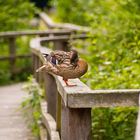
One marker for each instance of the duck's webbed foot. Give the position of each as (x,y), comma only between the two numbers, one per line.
(67,84)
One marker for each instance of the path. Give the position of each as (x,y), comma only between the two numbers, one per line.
(12,122)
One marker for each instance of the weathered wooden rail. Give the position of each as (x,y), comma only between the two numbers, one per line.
(13,35)
(72,106)
(52,25)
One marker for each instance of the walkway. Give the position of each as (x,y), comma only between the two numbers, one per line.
(12,122)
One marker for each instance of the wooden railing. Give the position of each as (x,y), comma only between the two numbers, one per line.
(72,106)
(67,113)
(11,37)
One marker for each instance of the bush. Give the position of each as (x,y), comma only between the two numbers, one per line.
(31,105)
(15,14)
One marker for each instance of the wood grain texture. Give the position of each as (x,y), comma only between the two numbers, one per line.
(58,113)
(82,96)
(49,122)
(75,123)
(33,32)
(12,54)
(50,94)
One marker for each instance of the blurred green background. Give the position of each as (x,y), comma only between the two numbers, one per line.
(113,52)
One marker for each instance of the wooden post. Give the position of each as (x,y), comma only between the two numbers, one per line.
(75,123)
(51,89)
(36,66)
(61,45)
(50,93)
(12,53)
(58,112)
(33,64)
(40,74)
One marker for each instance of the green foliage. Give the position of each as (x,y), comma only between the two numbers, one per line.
(15,14)
(4,76)
(114,123)
(32,104)
(23,66)
(71,10)
(113,55)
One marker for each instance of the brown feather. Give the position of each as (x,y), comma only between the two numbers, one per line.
(65,68)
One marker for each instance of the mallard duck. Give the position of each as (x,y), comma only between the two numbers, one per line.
(65,64)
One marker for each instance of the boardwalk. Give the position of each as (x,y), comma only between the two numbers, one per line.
(12,123)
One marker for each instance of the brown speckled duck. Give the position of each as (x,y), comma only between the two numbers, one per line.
(65,64)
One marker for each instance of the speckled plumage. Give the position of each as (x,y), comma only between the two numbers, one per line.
(65,64)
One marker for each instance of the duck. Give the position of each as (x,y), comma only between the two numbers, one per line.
(68,65)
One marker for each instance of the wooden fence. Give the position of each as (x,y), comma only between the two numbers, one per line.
(72,106)
(67,114)
(11,37)
(66,111)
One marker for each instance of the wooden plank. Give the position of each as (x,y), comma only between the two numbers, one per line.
(75,123)
(33,65)
(50,24)
(41,76)
(33,32)
(47,20)
(12,54)
(58,112)
(37,49)
(82,96)
(49,123)
(64,38)
(50,93)
(36,66)
(59,45)
(108,99)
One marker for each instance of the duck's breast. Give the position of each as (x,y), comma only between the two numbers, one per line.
(74,72)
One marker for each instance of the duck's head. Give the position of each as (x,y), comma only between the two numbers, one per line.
(74,57)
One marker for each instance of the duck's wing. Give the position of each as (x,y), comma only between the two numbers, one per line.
(65,65)
(57,61)
(51,68)
(60,56)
